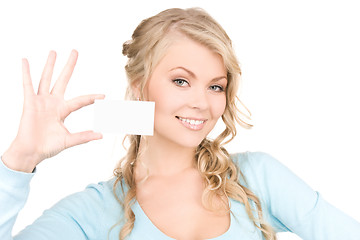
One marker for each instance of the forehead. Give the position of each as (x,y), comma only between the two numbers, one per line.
(187,53)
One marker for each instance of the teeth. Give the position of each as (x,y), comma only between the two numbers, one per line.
(190,121)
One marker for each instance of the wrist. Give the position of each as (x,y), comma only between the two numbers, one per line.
(17,161)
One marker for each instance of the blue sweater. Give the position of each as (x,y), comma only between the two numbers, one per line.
(288,205)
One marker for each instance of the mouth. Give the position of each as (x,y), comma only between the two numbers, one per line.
(192,123)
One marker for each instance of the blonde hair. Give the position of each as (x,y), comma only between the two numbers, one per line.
(146,48)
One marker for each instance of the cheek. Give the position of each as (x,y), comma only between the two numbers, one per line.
(217,106)
(166,101)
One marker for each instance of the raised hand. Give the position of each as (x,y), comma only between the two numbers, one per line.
(42,133)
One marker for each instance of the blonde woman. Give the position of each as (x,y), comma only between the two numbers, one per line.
(176,184)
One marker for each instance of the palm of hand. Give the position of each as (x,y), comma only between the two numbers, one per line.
(42,128)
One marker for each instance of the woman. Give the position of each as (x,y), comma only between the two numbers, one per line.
(176,184)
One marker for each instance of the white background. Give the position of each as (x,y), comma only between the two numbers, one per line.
(300,63)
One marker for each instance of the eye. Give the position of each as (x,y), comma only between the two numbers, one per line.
(180,82)
(217,88)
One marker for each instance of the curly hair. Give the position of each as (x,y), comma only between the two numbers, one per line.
(144,51)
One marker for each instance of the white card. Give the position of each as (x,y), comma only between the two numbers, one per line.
(124,117)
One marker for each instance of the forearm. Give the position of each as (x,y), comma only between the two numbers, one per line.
(14,190)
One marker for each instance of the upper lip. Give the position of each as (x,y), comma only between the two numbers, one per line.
(192,118)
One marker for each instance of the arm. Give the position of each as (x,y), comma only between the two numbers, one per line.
(14,191)
(78,216)
(293,204)
(41,135)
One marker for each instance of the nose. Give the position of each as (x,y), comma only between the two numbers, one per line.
(198,99)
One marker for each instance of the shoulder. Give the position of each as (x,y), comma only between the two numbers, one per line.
(253,169)
(245,158)
(260,159)
(285,196)
(265,174)
(88,214)
(92,195)
(257,166)
(96,207)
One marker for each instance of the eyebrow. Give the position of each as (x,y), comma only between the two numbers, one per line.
(194,76)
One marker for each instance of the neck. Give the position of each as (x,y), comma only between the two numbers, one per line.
(161,157)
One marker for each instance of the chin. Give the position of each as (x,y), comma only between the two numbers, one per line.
(189,140)
(191,144)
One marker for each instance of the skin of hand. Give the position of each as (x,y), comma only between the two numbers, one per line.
(42,133)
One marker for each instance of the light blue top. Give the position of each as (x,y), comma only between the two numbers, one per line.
(288,204)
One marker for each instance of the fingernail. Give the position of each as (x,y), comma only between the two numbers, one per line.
(100,96)
(99,135)
(23,61)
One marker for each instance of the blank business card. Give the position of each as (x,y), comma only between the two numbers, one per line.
(124,117)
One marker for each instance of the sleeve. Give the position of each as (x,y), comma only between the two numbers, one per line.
(293,206)
(78,216)
(14,190)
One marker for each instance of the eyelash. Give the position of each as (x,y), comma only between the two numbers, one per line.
(176,82)
(221,89)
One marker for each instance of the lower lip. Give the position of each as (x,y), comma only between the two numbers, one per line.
(193,126)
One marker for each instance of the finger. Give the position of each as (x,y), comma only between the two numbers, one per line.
(27,83)
(82,101)
(45,80)
(82,137)
(62,81)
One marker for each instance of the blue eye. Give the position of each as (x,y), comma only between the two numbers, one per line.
(216,88)
(180,82)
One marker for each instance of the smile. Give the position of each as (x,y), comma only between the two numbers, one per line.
(193,124)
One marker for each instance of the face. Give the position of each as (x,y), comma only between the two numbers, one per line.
(188,88)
